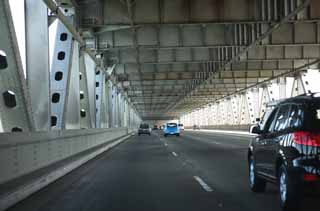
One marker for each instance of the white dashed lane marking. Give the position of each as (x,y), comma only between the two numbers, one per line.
(174,154)
(203,184)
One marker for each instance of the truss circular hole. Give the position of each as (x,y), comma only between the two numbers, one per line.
(98,72)
(58,76)
(97,97)
(9,98)
(61,55)
(16,129)
(55,97)
(3,60)
(81,95)
(54,121)
(80,76)
(63,36)
(97,84)
(83,113)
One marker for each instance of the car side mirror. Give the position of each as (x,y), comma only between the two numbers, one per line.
(255,130)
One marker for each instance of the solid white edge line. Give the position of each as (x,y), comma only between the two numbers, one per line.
(174,154)
(203,184)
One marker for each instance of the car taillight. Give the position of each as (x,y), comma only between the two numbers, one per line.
(310,177)
(306,138)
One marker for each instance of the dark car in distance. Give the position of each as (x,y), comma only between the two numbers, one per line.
(144,129)
(286,151)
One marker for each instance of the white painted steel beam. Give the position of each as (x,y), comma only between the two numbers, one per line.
(37,62)
(15,104)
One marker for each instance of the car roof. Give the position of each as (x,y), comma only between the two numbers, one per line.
(305,98)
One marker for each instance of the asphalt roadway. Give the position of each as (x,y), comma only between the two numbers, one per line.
(197,171)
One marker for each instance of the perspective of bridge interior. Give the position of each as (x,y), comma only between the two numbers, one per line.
(159,105)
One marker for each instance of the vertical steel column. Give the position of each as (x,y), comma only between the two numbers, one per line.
(90,68)
(15,107)
(210,115)
(215,113)
(104,102)
(98,97)
(37,62)
(273,89)
(223,112)
(125,114)
(110,104)
(265,98)
(121,114)
(229,113)
(85,113)
(310,80)
(59,75)
(72,109)
(282,88)
(289,86)
(256,103)
(236,109)
(253,104)
(114,106)
(298,87)
(244,110)
(218,113)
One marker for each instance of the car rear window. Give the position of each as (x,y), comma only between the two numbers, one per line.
(313,117)
(144,126)
(172,125)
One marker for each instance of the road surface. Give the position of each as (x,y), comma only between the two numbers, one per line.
(196,171)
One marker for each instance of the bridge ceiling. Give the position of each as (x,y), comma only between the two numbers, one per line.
(172,56)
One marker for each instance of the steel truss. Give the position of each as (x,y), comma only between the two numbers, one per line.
(244,108)
(72,94)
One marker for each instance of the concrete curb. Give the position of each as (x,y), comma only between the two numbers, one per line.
(27,189)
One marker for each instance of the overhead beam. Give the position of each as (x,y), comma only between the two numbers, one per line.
(60,15)
(259,39)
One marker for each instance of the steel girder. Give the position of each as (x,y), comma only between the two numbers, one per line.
(77,87)
(15,103)
(192,51)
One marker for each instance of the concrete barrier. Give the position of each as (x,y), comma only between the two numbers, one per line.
(244,128)
(30,161)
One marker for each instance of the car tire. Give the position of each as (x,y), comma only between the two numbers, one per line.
(178,135)
(256,184)
(165,135)
(290,190)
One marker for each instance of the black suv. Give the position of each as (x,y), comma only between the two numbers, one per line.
(286,150)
